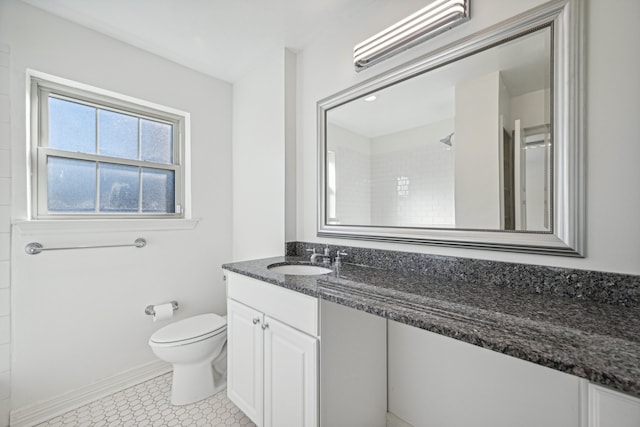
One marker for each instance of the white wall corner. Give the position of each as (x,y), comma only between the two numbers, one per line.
(5,229)
(290,152)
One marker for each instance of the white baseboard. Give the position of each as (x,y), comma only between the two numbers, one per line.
(58,405)
(395,421)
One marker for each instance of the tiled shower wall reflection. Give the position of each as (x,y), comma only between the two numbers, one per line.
(401,179)
(5,237)
(413,177)
(353,175)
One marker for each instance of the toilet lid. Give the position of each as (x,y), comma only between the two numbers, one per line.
(190,328)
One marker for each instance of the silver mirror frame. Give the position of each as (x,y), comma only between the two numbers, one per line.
(565,17)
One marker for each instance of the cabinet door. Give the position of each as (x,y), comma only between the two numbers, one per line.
(608,408)
(291,376)
(244,360)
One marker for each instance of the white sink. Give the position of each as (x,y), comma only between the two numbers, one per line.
(299,269)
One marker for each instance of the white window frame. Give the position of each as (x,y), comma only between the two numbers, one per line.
(40,85)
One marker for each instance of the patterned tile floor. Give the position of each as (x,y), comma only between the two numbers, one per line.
(148,404)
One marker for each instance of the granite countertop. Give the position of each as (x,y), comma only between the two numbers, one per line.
(592,340)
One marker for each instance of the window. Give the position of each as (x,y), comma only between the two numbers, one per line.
(100,155)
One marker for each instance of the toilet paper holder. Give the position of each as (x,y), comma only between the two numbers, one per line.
(150,310)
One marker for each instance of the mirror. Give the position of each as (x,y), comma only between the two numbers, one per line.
(471,145)
(401,156)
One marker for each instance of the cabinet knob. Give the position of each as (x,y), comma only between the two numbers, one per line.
(265,326)
(256,320)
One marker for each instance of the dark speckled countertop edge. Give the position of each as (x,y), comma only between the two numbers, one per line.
(608,361)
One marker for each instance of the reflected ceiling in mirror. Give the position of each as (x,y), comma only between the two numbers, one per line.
(476,144)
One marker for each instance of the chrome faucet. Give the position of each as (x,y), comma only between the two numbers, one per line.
(326,256)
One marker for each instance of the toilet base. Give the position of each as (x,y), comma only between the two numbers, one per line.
(193,382)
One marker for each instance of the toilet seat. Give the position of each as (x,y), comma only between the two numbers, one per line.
(190,330)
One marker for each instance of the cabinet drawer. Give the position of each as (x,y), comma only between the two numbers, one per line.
(293,308)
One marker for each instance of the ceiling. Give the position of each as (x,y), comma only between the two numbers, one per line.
(221,38)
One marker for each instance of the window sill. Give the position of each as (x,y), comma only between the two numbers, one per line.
(102,225)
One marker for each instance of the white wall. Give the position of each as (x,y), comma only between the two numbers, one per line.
(530,108)
(5,235)
(477,159)
(78,316)
(261,126)
(613,99)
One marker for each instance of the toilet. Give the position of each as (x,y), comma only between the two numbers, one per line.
(196,346)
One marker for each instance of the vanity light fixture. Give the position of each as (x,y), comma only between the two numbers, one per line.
(370,98)
(428,22)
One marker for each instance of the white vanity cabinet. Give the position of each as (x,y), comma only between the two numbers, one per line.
(272,352)
(295,360)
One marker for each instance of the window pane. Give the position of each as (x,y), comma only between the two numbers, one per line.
(158,191)
(71,185)
(72,126)
(157,141)
(119,188)
(117,135)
